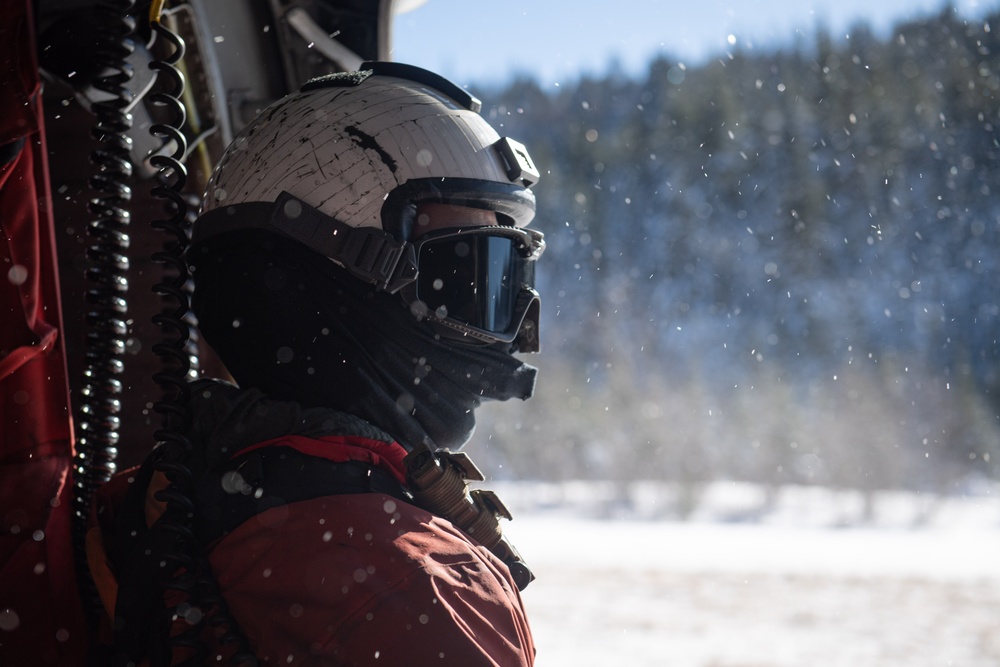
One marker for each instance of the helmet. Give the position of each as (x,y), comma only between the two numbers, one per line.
(342,165)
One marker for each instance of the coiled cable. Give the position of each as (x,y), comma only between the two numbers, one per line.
(190,579)
(98,421)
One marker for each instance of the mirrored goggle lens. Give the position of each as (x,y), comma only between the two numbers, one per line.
(475,279)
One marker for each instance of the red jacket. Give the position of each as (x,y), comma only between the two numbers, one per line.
(354,579)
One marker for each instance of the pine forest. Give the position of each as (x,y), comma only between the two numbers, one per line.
(777,267)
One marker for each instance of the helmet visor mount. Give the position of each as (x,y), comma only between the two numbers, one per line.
(479,282)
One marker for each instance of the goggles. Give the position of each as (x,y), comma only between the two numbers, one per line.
(480,283)
(477,282)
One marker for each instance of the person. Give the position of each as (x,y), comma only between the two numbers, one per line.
(363,268)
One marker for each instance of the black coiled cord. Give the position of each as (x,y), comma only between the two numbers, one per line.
(190,571)
(98,421)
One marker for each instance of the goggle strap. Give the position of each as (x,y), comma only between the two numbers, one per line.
(378,258)
(368,253)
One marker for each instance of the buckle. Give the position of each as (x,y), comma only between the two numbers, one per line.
(378,258)
(368,253)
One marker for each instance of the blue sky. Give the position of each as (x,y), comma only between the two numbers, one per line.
(486,42)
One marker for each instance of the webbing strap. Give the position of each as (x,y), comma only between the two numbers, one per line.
(369,253)
(265,478)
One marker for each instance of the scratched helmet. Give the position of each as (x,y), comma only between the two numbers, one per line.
(341,167)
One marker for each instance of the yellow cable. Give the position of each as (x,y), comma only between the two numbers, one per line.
(156,11)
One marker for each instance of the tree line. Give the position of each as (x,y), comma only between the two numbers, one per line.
(775,266)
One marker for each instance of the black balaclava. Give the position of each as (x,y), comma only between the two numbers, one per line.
(295,325)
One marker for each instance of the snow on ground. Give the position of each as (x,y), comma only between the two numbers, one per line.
(807,581)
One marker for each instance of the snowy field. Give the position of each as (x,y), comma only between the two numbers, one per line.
(808,581)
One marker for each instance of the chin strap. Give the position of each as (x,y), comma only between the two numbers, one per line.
(439,482)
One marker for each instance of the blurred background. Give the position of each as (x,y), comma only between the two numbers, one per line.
(777,263)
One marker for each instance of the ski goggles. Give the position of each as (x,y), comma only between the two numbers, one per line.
(480,283)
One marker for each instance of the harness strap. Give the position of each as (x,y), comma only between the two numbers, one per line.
(262,479)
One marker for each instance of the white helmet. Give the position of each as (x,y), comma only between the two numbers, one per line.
(345,142)
(341,166)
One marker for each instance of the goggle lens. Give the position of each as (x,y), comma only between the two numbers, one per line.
(475,278)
